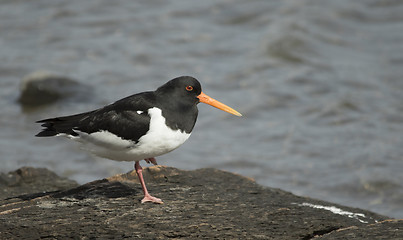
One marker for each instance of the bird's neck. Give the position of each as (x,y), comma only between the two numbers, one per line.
(180,117)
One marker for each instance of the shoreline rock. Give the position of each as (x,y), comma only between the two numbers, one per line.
(42,87)
(205,203)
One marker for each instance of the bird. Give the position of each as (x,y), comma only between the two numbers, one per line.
(138,127)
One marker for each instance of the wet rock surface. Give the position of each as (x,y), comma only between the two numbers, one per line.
(205,203)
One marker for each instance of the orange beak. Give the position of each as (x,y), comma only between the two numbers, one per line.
(212,102)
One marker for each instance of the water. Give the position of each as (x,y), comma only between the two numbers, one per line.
(319,83)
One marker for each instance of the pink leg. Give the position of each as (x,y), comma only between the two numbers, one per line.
(147,196)
(151,160)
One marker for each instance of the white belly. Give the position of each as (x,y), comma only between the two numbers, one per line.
(159,140)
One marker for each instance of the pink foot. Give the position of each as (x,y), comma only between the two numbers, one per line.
(151,160)
(149,198)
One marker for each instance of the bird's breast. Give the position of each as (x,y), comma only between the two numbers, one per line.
(161,138)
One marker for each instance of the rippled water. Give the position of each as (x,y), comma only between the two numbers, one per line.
(319,83)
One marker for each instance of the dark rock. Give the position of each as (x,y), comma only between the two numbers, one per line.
(28,180)
(42,87)
(387,229)
(205,203)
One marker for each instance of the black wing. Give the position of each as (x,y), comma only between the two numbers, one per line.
(127,118)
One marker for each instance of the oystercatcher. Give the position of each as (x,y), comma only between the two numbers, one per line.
(141,126)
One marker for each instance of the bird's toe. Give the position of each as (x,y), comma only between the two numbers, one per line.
(149,198)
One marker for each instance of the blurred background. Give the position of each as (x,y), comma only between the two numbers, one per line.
(319,82)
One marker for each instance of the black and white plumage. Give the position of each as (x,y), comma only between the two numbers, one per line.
(141,126)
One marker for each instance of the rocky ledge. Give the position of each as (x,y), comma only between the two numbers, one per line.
(206,203)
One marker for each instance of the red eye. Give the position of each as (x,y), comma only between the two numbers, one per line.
(189,88)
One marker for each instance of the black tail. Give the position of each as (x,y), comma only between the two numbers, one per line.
(60,125)
(49,129)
